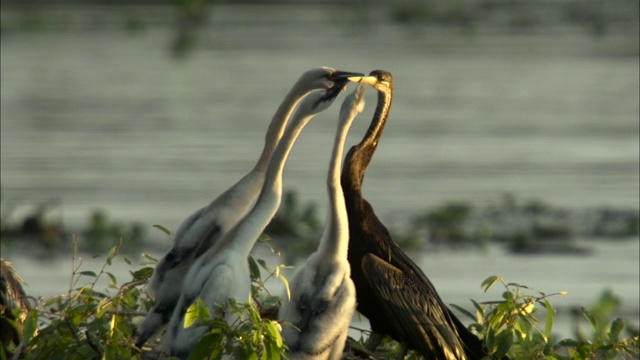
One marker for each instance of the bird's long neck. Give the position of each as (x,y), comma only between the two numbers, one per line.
(242,194)
(250,228)
(335,238)
(278,124)
(359,156)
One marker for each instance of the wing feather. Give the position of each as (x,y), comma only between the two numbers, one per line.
(413,307)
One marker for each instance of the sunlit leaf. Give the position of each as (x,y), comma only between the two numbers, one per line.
(286,285)
(273,332)
(30,324)
(528,307)
(149,257)
(102,307)
(112,324)
(197,311)
(479,310)
(548,324)
(489,282)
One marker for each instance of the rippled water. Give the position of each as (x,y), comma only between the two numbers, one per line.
(103,118)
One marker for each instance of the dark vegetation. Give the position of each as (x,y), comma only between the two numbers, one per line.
(529,227)
(189,18)
(90,323)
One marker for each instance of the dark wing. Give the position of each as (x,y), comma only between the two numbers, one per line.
(418,315)
(473,345)
(391,254)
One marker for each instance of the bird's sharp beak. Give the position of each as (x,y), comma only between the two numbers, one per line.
(369,80)
(344,75)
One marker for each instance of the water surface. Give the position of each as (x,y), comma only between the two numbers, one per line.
(98,117)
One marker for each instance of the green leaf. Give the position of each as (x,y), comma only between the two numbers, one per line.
(203,311)
(112,253)
(548,324)
(489,340)
(254,269)
(263,264)
(616,328)
(162,228)
(489,282)
(517,285)
(113,282)
(149,257)
(273,332)
(264,237)
(112,325)
(503,342)
(496,319)
(480,312)
(463,311)
(102,307)
(210,345)
(197,311)
(144,273)
(590,317)
(88,273)
(30,325)
(286,285)
(52,300)
(524,325)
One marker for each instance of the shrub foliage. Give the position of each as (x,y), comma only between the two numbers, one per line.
(91,323)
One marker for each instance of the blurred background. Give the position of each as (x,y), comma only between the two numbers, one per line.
(511,148)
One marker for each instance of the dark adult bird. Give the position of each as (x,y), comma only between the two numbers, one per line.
(392,291)
(205,227)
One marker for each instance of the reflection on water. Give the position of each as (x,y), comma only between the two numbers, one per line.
(106,119)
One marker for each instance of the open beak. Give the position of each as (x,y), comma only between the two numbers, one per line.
(344,76)
(340,80)
(369,80)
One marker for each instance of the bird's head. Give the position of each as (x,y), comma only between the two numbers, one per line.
(379,79)
(336,82)
(322,78)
